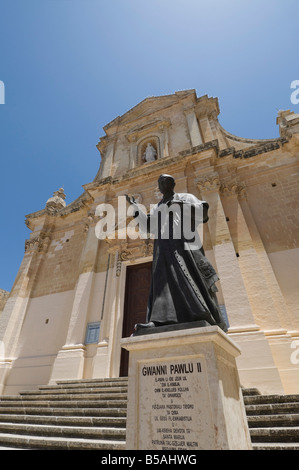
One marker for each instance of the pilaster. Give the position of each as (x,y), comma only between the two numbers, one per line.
(260,299)
(236,299)
(269,304)
(193,127)
(69,363)
(206,129)
(243,327)
(14,313)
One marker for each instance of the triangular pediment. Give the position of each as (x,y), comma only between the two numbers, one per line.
(149,106)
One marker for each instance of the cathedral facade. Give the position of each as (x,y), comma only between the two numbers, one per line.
(77,294)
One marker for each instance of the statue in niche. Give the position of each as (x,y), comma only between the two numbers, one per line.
(183,286)
(150,153)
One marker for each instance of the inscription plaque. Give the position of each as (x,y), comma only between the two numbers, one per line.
(175,413)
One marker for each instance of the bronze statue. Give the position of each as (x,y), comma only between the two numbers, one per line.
(183,281)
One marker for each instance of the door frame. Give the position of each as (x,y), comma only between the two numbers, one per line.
(127,315)
(118,318)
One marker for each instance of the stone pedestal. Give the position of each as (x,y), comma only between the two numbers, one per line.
(184,392)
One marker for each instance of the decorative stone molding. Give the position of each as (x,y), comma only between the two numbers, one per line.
(209,183)
(147,129)
(123,252)
(212,144)
(256,149)
(142,250)
(138,198)
(118,265)
(52,211)
(212,115)
(38,244)
(90,220)
(227,151)
(206,105)
(232,189)
(288,122)
(154,133)
(56,202)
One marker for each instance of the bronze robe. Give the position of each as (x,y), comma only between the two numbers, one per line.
(183,280)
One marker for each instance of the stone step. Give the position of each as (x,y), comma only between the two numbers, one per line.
(90,432)
(99,379)
(89,383)
(268,399)
(273,420)
(282,434)
(272,409)
(275,446)
(109,421)
(121,403)
(69,397)
(71,411)
(250,391)
(73,391)
(73,414)
(59,443)
(91,414)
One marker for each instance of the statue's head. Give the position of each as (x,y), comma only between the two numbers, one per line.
(166,183)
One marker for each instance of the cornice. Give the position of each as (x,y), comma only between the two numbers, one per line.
(213,144)
(81,202)
(38,244)
(257,149)
(139,131)
(144,107)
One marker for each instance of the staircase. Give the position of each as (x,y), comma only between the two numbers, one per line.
(72,415)
(273,420)
(91,414)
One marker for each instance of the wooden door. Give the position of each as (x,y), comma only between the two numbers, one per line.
(138,279)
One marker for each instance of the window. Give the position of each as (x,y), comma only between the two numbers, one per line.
(92,333)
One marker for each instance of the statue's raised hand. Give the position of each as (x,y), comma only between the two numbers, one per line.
(130,200)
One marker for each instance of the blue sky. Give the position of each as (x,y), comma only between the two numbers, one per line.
(71,66)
